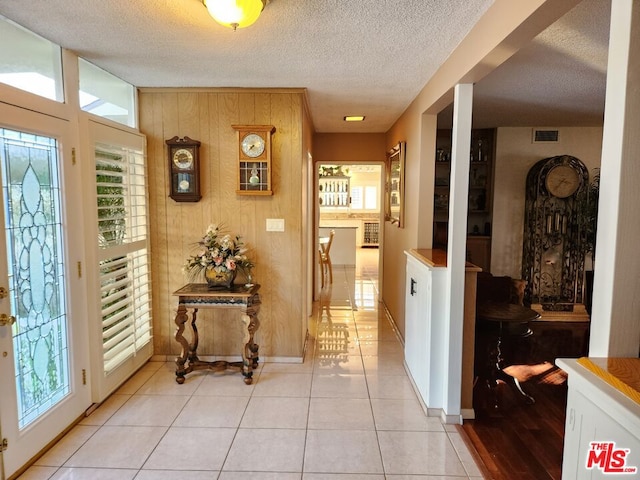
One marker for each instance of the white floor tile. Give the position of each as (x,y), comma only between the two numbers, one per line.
(419,453)
(266,450)
(342,451)
(176,475)
(390,386)
(66,447)
(338,364)
(117,447)
(341,476)
(374,347)
(340,414)
(226,384)
(277,384)
(339,386)
(403,415)
(282,367)
(465,456)
(191,449)
(94,474)
(106,410)
(210,411)
(392,364)
(423,477)
(38,473)
(149,410)
(258,476)
(163,382)
(276,412)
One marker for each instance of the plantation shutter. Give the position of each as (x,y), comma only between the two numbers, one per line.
(125,283)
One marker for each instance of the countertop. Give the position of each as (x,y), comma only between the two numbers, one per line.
(621,373)
(436,258)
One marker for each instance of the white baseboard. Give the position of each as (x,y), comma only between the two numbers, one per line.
(468,413)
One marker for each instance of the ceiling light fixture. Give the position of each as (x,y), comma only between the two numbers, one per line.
(235,13)
(354,118)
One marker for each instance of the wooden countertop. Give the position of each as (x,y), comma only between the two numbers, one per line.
(621,373)
(338,227)
(433,257)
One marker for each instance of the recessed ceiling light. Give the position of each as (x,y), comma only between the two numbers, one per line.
(354,118)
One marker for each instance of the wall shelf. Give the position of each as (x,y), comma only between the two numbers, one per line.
(334,191)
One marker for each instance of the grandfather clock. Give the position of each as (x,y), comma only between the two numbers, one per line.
(554,236)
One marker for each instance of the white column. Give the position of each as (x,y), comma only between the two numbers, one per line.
(615,320)
(457,249)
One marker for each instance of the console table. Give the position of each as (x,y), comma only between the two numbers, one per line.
(198,295)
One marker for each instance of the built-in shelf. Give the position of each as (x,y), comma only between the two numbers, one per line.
(334,191)
(370,234)
(480,191)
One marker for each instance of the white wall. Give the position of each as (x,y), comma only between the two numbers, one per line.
(515,155)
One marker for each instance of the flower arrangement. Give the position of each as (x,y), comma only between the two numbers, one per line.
(218,251)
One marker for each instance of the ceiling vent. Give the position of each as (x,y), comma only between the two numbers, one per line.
(545,136)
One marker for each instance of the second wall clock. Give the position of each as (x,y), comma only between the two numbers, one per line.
(254,159)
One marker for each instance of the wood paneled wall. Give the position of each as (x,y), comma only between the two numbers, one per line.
(207,115)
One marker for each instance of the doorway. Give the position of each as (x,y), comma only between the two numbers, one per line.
(43,341)
(351,203)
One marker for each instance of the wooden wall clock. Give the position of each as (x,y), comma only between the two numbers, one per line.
(254,159)
(184,169)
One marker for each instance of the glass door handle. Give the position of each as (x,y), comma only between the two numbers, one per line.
(6,319)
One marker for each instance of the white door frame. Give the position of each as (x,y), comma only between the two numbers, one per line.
(25,444)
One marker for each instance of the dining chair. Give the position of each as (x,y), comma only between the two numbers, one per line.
(325,259)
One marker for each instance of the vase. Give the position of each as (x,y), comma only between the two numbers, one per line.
(219,279)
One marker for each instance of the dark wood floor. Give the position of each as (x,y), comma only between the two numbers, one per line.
(518,439)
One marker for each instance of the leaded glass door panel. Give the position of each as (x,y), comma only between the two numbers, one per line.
(41,352)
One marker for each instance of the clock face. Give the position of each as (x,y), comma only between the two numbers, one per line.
(562,181)
(183,158)
(253,145)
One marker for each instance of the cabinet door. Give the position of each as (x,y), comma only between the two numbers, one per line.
(587,423)
(417,331)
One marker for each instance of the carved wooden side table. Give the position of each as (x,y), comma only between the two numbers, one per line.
(510,314)
(199,295)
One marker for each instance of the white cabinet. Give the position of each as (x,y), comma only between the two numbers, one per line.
(424,331)
(598,412)
(430,351)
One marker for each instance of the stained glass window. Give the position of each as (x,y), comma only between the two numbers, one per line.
(31,195)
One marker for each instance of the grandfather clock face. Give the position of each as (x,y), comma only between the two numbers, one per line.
(562,181)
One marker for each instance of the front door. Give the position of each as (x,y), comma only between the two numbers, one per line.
(42,336)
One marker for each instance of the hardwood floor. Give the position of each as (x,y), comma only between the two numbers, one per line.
(517,439)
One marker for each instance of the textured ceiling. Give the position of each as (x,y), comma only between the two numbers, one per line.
(557,80)
(353,57)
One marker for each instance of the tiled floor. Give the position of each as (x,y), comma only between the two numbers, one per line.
(348,412)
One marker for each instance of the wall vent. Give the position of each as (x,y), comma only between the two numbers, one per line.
(545,136)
